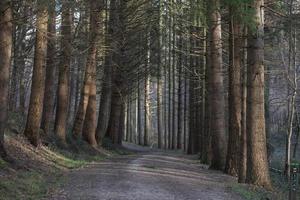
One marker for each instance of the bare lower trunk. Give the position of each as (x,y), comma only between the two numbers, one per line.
(243,138)
(5,63)
(88,92)
(121,125)
(290,128)
(147,123)
(180,114)
(216,89)
(128,119)
(64,73)
(50,72)
(139,114)
(106,92)
(32,130)
(257,162)
(159,122)
(115,117)
(234,100)
(90,122)
(105,102)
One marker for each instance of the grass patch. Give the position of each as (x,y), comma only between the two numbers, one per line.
(245,192)
(64,159)
(253,193)
(115,149)
(70,159)
(39,183)
(25,185)
(3,164)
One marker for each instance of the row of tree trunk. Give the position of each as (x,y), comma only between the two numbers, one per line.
(173,48)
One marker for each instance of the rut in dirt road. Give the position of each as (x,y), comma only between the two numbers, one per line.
(148,176)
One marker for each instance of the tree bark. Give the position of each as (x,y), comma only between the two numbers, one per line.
(5,63)
(139,113)
(147,123)
(234,96)
(90,122)
(257,162)
(128,119)
(88,88)
(64,73)
(106,92)
(159,122)
(243,138)
(105,102)
(38,78)
(216,92)
(49,94)
(116,116)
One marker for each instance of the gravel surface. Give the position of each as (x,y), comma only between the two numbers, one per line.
(148,175)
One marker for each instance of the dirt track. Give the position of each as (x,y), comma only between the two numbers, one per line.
(148,175)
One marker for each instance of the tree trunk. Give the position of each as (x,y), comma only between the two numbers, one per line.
(5,63)
(88,88)
(147,123)
(192,85)
(90,122)
(174,111)
(122,125)
(216,92)
(243,138)
(257,162)
(50,72)
(106,92)
(234,97)
(64,73)
(16,91)
(159,122)
(170,126)
(180,114)
(128,119)
(292,100)
(38,78)
(203,139)
(105,102)
(116,116)
(139,113)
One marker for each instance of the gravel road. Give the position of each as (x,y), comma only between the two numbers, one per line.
(148,175)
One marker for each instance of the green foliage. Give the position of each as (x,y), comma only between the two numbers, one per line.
(242,11)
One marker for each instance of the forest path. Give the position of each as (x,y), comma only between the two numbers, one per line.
(148,175)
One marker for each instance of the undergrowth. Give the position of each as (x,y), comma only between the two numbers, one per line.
(37,183)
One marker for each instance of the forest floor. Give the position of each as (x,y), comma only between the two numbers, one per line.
(131,172)
(148,175)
